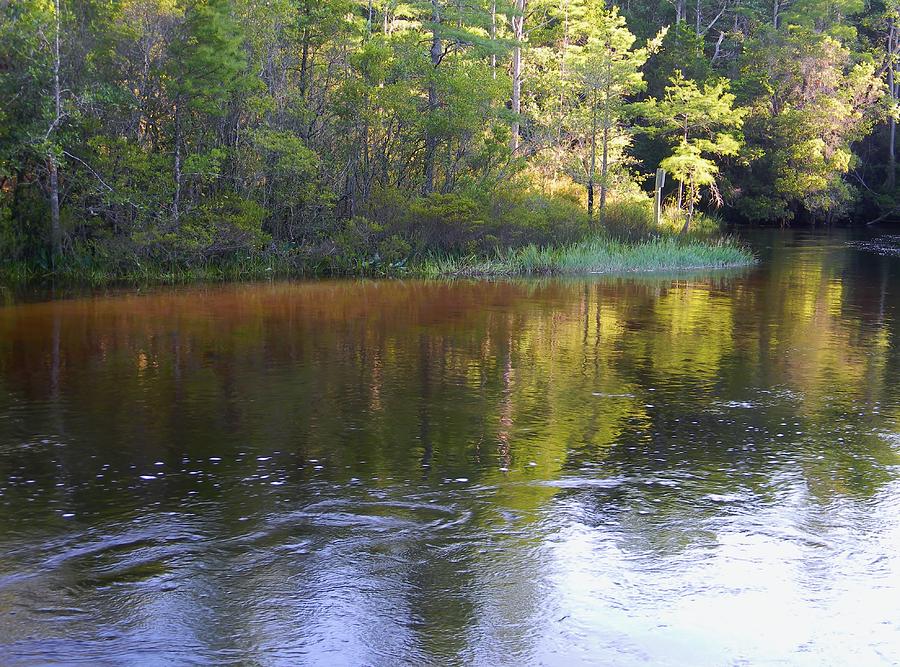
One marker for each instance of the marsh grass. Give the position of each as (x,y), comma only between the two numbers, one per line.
(599,255)
(98,274)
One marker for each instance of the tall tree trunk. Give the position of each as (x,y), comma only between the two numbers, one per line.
(176,199)
(604,171)
(431,140)
(680,183)
(590,187)
(55,227)
(304,64)
(891,180)
(52,167)
(494,37)
(692,195)
(518,28)
(562,68)
(607,121)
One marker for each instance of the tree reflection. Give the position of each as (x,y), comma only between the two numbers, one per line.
(453,426)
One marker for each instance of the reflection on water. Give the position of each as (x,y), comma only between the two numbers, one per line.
(699,470)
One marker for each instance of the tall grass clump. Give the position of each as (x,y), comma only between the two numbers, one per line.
(595,255)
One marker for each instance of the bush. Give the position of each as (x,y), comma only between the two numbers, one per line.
(394,250)
(220,228)
(352,246)
(630,220)
(520,217)
(444,222)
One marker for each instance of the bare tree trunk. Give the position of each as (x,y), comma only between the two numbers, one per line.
(304,64)
(590,186)
(52,167)
(562,66)
(176,199)
(699,15)
(692,194)
(776,9)
(718,50)
(430,138)
(607,121)
(518,28)
(494,37)
(891,180)
(892,155)
(55,227)
(681,184)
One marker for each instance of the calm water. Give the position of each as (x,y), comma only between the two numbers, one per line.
(693,471)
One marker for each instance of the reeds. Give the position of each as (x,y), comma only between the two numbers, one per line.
(598,255)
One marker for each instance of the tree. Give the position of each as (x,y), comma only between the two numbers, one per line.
(34,113)
(890,26)
(700,121)
(456,30)
(205,66)
(517,21)
(608,70)
(810,99)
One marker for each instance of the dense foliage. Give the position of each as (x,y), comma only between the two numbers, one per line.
(179,131)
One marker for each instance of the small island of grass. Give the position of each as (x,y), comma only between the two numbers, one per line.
(597,255)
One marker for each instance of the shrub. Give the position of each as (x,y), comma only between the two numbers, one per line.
(630,219)
(444,222)
(394,250)
(222,227)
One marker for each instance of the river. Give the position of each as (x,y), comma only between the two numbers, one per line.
(673,470)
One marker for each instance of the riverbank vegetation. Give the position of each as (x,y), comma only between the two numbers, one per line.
(592,256)
(181,137)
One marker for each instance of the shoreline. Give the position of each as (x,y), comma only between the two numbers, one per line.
(597,256)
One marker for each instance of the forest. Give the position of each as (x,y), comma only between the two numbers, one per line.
(350,134)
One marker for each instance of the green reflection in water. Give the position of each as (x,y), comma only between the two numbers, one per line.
(329,444)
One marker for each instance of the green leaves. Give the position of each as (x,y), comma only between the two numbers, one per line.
(703,123)
(291,155)
(207,57)
(688,110)
(818,100)
(687,164)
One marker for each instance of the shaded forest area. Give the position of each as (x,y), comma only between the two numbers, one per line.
(352,133)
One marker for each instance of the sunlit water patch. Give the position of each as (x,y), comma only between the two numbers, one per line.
(886,245)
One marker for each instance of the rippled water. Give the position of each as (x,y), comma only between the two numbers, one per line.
(688,471)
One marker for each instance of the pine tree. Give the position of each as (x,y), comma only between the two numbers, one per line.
(207,60)
(608,70)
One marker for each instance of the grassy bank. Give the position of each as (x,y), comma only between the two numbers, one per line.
(600,255)
(83,271)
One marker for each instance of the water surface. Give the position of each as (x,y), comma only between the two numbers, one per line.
(691,470)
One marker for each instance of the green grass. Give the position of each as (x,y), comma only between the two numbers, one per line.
(74,271)
(598,255)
